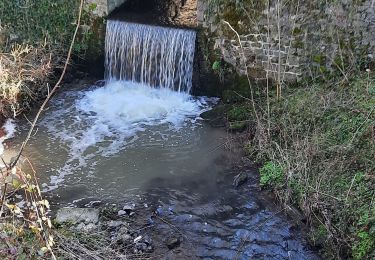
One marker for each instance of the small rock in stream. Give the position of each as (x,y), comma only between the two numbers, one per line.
(141,247)
(121,213)
(240,179)
(129,207)
(77,215)
(114,224)
(147,240)
(85,228)
(137,239)
(173,242)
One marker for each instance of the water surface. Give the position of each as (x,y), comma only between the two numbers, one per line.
(127,143)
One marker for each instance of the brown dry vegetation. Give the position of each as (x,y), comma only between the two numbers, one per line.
(26,74)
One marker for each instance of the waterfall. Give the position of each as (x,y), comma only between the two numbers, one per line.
(156,56)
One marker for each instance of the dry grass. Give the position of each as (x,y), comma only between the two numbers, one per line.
(321,150)
(25,74)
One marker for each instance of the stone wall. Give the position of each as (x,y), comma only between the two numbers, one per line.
(105,7)
(302,38)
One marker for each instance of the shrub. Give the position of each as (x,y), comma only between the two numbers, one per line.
(271,174)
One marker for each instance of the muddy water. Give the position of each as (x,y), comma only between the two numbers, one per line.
(164,159)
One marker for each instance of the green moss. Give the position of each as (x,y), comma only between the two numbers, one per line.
(216,65)
(298,44)
(320,59)
(297,31)
(237,126)
(236,13)
(239,113)
(318,235)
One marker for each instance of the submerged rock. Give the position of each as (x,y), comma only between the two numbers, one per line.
(173,242)
(86,228)
(114,224)
(216,116)
(129,207)
(240,179)
(77,215)
(121,213)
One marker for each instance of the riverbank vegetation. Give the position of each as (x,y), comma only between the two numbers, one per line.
(316,147)
(32,50)
(314,137)
(33,39)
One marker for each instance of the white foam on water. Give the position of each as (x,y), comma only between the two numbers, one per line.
(9,129)
(123,105)
(105,120)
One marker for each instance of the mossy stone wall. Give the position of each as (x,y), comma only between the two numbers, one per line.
(296,38)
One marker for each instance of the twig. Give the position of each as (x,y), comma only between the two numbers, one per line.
(55,88)
(350,188)
(13,164)
(173,226)
(247,73)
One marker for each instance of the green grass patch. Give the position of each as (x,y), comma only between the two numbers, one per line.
(271,174)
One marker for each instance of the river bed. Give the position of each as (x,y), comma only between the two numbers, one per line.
(124,144)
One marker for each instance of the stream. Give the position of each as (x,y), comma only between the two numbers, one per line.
(123,143)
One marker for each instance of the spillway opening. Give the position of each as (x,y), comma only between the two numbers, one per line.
(171,13)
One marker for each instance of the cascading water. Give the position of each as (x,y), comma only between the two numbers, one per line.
(155,56)
(145,99)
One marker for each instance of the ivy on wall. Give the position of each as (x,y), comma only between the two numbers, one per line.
(35,21)
(51,24)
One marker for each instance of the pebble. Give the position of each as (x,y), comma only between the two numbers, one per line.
(121,213)
(129,207)
(137,239)
(85,228)
(114,223)
(173,242)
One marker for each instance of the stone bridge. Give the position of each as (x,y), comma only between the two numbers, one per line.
(105,7)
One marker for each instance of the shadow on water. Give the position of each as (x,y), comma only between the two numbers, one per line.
(216,220)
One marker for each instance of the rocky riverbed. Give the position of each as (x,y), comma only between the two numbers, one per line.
(195,219)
